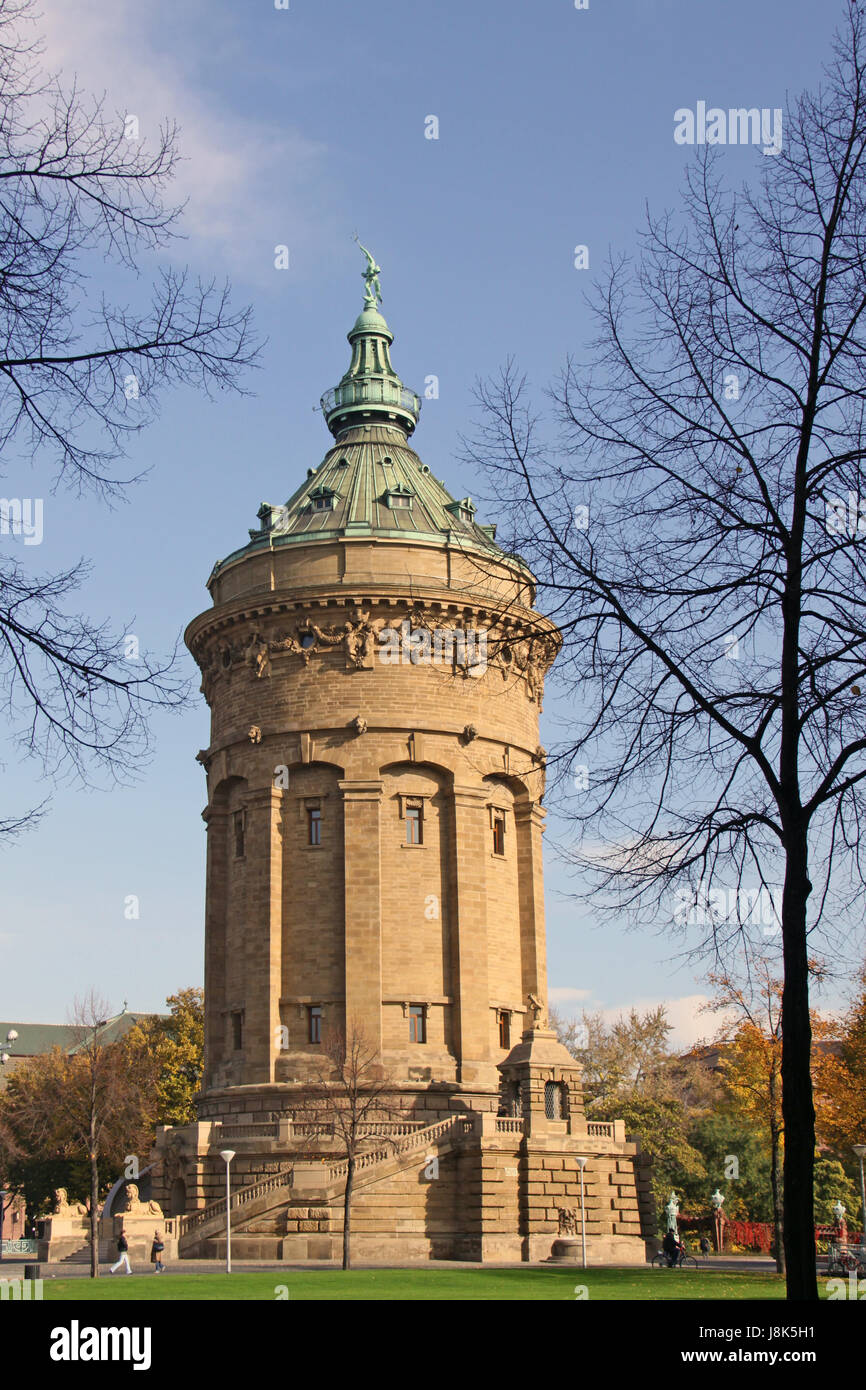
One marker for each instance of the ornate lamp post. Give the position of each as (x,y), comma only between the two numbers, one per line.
(673,1211)
(718,1220)
(860,1151)
(227,1155)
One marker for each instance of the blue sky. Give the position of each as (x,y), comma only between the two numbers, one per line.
(299,127)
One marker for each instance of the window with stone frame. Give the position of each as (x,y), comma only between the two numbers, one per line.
(417,1023)
(498,819)
(504,1028)
(413,814)
(237,1030)
(314,825)
(314,1023)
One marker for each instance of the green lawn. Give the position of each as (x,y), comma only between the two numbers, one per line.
(425,1284)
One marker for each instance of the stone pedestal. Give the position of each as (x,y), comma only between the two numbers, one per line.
(63,1235)
(566,1251)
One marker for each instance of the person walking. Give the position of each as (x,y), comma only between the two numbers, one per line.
(123,1252)
(156,1253)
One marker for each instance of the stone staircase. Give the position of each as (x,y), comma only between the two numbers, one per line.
(257,1200)
(81,1256)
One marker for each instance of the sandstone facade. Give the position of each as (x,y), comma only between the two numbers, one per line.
(374,665)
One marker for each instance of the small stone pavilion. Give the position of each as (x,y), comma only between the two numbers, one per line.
(374,665)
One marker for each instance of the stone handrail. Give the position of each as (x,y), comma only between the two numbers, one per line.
(239,1199)
(268,1130)
(385,1127)
(420,1138)
(509,1126)
(600,1129)
(309,1129)
(409,1136)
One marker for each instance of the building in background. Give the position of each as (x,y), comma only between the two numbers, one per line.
(34,1039)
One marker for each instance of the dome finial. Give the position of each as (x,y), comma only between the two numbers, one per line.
(373,292)
(370,392)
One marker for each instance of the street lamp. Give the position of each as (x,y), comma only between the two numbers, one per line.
(227,1155)
(718,1202)
(581,1163)
(11,1039)
(860,1151)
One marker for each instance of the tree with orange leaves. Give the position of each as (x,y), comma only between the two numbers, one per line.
(840,1082)
(751,1064)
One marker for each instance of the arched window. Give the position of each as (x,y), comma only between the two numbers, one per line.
(554,1100)
(510,1104)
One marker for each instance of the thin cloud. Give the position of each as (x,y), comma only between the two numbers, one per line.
(565,994)
(249,184)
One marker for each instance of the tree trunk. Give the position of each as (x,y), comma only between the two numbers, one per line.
(798,1113)
(94,1215)
(778,1224)
(347,1214)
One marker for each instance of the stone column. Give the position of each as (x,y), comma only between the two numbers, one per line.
(362,802)
(263,934)
(529,823)
(468,895)
(216,820)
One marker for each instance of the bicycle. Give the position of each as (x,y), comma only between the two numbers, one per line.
(842,1259)
(683,1261)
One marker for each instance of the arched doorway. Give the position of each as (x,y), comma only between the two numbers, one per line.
(178,1197)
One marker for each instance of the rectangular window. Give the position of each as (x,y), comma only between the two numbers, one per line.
(498,832)
(314,1023)
(238,826)
(414,822)
(314,826)
(417,1023)
(237,1031)
(504,1029)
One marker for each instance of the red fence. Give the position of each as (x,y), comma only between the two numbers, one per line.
(758,1235)
(749,1235)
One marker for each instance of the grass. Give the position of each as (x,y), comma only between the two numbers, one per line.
(409,1285)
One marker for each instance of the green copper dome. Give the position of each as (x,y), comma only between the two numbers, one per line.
(371,483)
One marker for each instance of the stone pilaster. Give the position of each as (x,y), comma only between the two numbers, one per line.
(468,893)
(216,819)
(263,935)
(529,824)
(362,801)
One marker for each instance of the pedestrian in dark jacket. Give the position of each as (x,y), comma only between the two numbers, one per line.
(670,1245)
(123,1252)
(156,1253)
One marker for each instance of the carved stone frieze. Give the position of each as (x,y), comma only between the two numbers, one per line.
(516,652)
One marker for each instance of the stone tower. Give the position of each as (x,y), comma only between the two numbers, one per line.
(374,666)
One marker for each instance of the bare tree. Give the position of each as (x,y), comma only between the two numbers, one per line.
(78,376)
(351,1092)
(698,530)
(94,1101)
